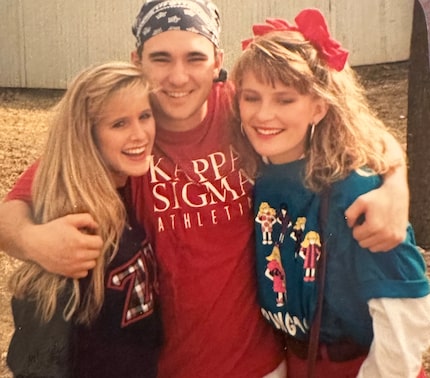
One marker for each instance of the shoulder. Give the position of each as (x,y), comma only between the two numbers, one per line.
(220,102)
(223,91)
(354,185)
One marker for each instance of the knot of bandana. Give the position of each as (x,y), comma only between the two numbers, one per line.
(311,23)
(157,16)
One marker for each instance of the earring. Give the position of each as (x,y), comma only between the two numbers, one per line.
(241,129)
(265,160)
(311,132)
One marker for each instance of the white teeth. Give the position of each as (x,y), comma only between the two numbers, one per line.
(177,94)
(268,131)
(135,151)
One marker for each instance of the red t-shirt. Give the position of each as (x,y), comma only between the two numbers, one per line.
(22,188)
(197,210)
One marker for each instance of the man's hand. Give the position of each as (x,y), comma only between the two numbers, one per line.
(378,219)
(67,246)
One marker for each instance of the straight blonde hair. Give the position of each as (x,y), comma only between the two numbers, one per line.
(73,178)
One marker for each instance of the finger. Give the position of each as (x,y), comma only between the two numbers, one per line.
(366,238)
(353,212)
(91,243)
(88,264)
(378,242)
(82,221)
(77,270)
(379,246)
(361,232)
(80,270)
(368,242)
(385,245)
(79,274)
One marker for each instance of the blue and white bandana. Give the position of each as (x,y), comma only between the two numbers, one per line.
(197,16)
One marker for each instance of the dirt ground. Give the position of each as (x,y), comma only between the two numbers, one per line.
(23,118)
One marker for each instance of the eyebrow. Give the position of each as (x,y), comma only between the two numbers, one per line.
(197,54)
(165,54)
(286,92)
(158,54)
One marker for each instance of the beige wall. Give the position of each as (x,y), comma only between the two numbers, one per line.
(43,43)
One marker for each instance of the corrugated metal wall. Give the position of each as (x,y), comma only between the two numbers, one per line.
(44,43)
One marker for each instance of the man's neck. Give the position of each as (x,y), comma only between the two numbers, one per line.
(180,125)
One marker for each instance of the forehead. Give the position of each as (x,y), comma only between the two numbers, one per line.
(266,80)
(258,80)
(121,97)
(178,42)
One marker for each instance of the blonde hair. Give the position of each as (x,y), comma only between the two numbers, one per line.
(309,236)
(275,254)
(265,208)
(73,178)
(349,137)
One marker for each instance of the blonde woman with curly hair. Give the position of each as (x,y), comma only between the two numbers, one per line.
(107,324)
(303,110)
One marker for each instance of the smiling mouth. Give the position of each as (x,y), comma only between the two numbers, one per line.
(135,151)
(177,94)
(264,131)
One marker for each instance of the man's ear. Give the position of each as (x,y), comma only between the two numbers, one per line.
(135,59)
(219,60)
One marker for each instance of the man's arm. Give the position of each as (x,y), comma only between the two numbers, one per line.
(58,246)
(386,209)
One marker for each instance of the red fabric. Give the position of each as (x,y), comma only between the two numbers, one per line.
(22,188)
(212,322)
(297,368)
(199,216)
(311,23)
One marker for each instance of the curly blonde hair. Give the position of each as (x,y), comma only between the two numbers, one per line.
(349,137)
(72,178)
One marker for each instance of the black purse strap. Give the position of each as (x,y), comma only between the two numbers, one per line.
(321,272)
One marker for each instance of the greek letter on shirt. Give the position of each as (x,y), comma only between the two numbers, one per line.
(138,277)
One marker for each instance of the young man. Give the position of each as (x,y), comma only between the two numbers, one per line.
(196,205)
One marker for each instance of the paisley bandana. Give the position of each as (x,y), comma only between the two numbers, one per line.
(157,16)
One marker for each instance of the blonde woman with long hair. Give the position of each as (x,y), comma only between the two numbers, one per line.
(303,110)
(102,132)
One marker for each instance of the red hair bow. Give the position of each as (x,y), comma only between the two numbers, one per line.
(311,23)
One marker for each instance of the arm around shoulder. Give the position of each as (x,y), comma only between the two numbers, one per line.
(59,246)
(15,216)
(386,209)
